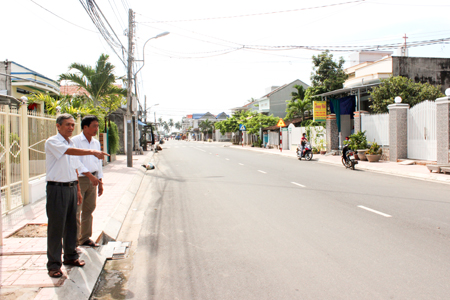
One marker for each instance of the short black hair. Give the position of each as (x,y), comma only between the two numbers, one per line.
(86,121)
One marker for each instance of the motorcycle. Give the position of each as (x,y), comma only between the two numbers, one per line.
(307,152)
(348,158)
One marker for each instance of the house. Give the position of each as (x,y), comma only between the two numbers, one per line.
(365,75)
(190,123)
(274,101)
(18,81)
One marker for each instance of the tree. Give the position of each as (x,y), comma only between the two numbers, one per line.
(170,123)
(98,81)
(327,75)
(297,106)
(178,125)
(410,92)
(206,127)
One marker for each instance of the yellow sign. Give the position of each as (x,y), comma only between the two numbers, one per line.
(281,123)
(320,111)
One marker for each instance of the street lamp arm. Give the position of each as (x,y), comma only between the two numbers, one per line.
(143,50)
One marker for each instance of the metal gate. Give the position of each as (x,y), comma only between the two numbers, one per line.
(422,131)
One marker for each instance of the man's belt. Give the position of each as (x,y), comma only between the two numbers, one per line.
(71,183)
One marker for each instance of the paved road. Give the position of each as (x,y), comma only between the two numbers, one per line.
(215,222)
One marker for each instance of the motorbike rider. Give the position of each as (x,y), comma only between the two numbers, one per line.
(303,142)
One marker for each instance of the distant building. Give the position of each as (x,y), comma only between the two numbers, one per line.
(274,101)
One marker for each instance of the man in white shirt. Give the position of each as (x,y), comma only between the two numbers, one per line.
(63,195)
(90,177)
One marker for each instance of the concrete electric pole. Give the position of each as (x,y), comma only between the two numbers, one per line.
(129,89)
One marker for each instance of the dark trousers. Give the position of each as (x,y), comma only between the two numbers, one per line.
(62,224)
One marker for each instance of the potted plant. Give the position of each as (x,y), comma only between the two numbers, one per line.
(358,143)
(374,153)
(322,146)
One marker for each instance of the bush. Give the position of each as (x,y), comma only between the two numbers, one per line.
(374,149)
(113,138)
(357,141)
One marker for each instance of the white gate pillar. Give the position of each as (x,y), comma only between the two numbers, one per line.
(443,129)
(398,131)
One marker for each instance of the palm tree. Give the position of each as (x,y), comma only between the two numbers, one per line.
(206,126)
(178,125)
(98,81)
(170,123)
(297,106)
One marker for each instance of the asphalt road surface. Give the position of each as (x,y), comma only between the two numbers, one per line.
(214,222)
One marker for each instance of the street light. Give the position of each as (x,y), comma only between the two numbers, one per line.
(143,49)
(130,77)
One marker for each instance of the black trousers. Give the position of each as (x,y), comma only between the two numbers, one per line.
(62,224)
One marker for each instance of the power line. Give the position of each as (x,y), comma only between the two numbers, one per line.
(62,17)
(259,14)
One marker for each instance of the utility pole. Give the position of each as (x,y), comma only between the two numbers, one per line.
(129,89)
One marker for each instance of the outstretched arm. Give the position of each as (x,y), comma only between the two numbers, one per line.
(81,152)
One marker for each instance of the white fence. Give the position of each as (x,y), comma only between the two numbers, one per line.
(422,142)
(22,153)
(376,127)
(317,136)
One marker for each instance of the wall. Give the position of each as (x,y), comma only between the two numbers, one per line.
(435,71)
(278,99)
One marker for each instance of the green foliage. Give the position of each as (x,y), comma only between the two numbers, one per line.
(410,92)
(327,75)
(253,121)
(297,106)
(98,81)
(258,143)
(374,149)
(357,141)
(113,138)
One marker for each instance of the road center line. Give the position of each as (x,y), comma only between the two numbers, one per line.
(262,172)
(298,184)
(375,211)
(227,159)
(241,164)
(199,149)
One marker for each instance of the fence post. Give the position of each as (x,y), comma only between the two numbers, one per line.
(24,155)
(358,120)
(7,157)
(443,129)
(332,133)
(398,131)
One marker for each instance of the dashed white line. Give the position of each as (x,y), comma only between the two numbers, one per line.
(262,172)
(298,184)
(199,149)
(241,164)
(375,211)
(227,159)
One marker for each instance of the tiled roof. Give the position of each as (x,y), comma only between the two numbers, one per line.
(72,90)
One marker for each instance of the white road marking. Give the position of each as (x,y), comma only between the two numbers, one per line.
(262,172)
(298,184)
(241,164)
(210,153)
(375,211)
(227,159)
(199,149)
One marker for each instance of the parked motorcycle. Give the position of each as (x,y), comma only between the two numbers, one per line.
(307,152)
(348,158)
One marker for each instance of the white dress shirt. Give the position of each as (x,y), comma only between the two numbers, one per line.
(89,163)
(60,167)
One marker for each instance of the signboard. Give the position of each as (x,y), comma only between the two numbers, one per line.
(281,123)
(320,111)
(242,127)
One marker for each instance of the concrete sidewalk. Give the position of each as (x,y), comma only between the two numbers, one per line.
(23,273)
(393,168)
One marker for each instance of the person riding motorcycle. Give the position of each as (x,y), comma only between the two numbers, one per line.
(303,142)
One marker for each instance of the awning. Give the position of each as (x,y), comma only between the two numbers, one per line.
(350,89)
